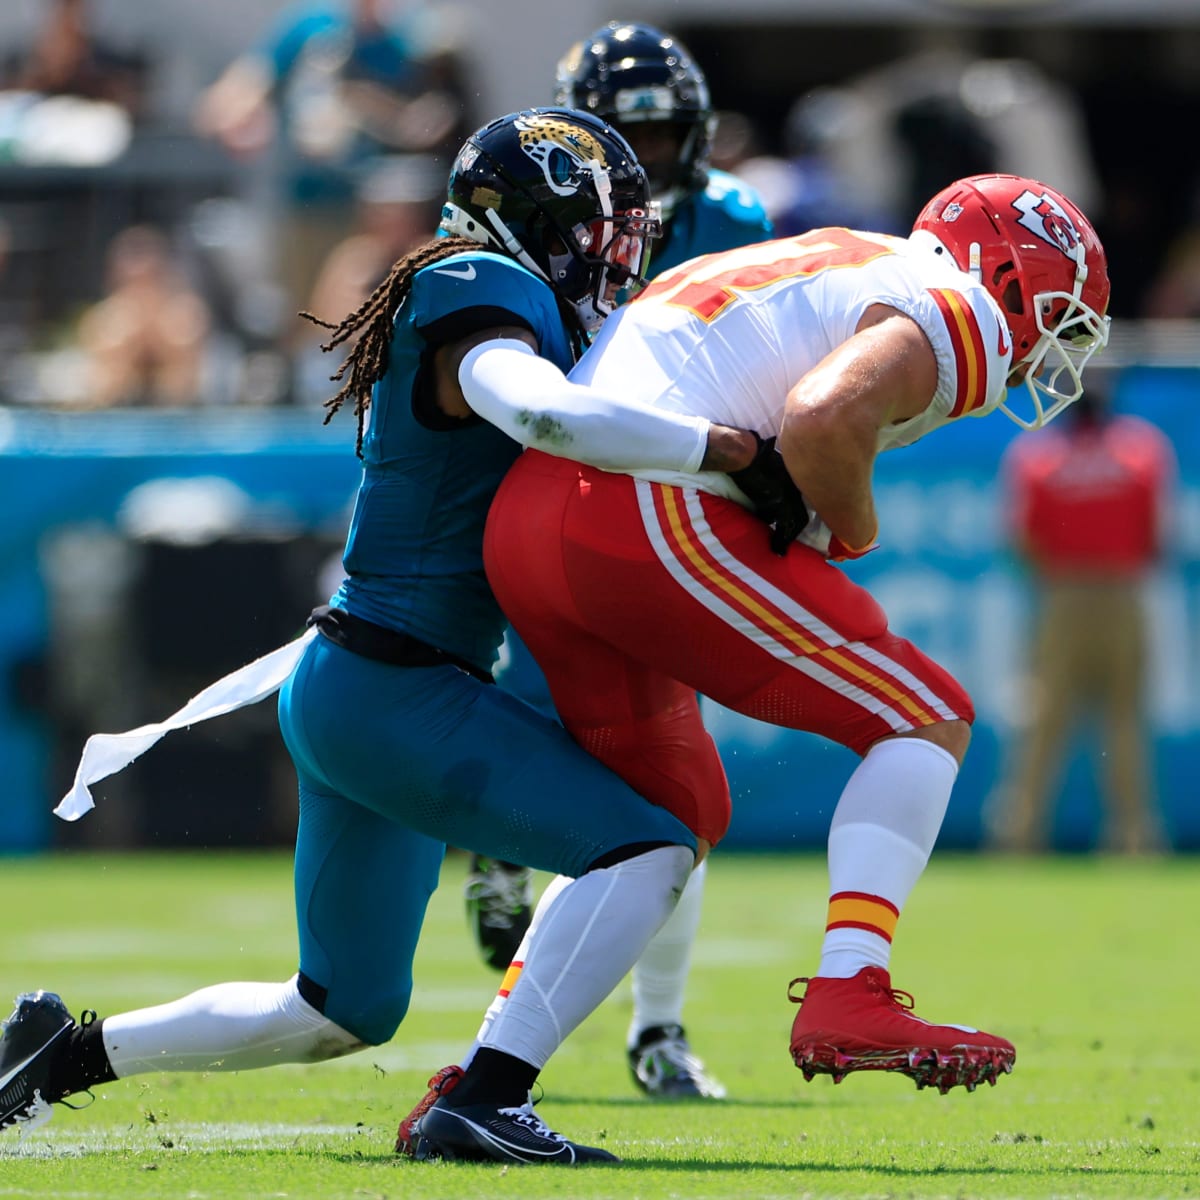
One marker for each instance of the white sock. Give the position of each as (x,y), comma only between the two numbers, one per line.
(228,1027)
(882,833)
(660,975)
(587,941)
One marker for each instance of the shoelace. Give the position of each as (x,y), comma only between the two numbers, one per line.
(524,1115)
(899,997)
(36,1114)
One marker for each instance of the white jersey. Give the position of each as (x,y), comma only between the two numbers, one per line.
(726,336)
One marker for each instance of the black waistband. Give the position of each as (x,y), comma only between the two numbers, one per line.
(376,642)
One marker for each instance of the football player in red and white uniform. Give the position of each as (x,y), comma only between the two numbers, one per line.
(645,84)
(635,592)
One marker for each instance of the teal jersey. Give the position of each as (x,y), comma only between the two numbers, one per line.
(726,214)
(414,555)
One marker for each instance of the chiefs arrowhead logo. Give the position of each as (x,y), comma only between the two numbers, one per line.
(1046,218)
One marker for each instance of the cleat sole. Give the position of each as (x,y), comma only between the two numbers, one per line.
(959,1066)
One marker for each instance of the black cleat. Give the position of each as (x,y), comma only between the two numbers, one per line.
(33,1037)
(663,1066)
(480,1133)
(499,900)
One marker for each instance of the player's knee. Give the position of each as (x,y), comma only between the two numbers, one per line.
(667,865)
(637,850)
(952,736)
(363,1020)
(330,1040)
(374,1024)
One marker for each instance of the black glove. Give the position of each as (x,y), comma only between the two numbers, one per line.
(776,499)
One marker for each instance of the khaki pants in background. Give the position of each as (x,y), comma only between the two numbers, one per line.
(1089,664)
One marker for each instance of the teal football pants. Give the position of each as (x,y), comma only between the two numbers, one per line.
(394,764)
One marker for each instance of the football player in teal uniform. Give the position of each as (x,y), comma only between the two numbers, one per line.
(400,743)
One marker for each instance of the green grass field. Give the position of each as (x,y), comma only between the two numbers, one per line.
(1089,965)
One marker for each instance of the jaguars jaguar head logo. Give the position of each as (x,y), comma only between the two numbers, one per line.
(561,148)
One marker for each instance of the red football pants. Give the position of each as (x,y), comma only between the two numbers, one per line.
(633,596)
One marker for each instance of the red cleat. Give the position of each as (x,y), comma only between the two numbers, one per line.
(864,1024)
(446,1080)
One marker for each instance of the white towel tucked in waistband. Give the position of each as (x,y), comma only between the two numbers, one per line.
(105,754)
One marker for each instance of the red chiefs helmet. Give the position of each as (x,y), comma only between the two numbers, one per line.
(1041,261)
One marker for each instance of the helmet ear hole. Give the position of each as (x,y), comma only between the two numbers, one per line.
(552,242)
(1011,297)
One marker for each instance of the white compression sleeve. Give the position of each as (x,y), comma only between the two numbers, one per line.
(531,400)
(660,975)
(228,1027)
(587,941)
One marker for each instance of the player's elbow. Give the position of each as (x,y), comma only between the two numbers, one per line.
(808,432)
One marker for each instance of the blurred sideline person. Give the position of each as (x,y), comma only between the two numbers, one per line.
(69,57)
(398,207)
(637,591)
(1088,504)
(146,340)
(399,742)
(644,83)
(332,85)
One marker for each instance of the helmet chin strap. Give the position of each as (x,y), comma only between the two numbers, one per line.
(510,243)
(590,315)
(455,221)
(589,308)
(602,182)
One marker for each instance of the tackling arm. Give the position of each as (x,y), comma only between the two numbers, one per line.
(528,397)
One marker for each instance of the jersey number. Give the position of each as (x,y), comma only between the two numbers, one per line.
(709,287)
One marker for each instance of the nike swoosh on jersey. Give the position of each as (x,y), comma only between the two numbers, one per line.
(1003,345)
(7,1079)
(467,272)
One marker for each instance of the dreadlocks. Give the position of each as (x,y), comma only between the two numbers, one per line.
(367,361)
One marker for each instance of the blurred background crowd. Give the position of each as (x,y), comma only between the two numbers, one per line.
(176,185)
(178,182)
